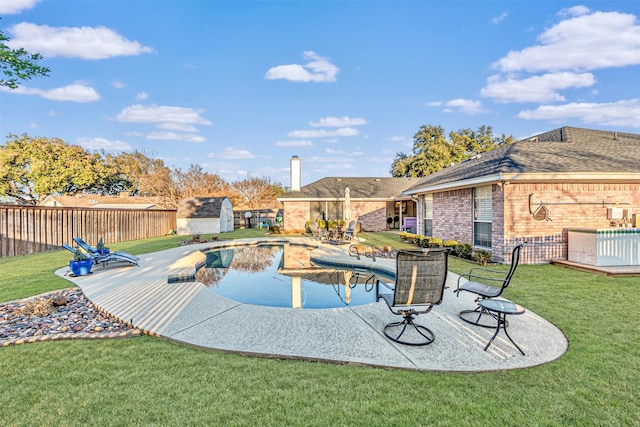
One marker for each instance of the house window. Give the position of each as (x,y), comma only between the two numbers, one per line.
(427,205)
(331,210)
(482,216)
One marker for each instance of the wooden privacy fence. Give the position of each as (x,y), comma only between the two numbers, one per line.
(32,229)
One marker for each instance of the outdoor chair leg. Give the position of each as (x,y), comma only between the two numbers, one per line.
(404,324)
(480,311)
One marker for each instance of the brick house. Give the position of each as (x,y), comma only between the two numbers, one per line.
(534,190)
(372,201)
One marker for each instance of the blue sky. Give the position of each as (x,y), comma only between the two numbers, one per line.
(239,87)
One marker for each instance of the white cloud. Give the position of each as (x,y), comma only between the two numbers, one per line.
(10,7)
(404,140)
(161,114)
(498,19)
(584,42)
(142,96)
(118,84)
(300,143)
(433,104)
(317,69)
(534,89)
(103,144)
(73,42)
(173,136)
(333,151)
(338,122)
(574,11)
(233,153)
(620,113)
(177,127)
(319,133)
(466,106)
(175,123)
(76,92)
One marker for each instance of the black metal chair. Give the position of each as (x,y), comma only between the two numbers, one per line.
(475,278)
(420,280)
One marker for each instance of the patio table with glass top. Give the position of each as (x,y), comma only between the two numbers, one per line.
(502,309)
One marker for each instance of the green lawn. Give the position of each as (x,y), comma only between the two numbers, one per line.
(151,381)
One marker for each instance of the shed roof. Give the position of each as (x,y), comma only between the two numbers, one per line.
(332,188)
(200,207)
(565,150)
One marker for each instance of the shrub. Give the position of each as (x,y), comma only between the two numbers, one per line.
(434,242)
(450,243)
(275,229)
(482,257)
(410,238)
(463,251)
(78,255)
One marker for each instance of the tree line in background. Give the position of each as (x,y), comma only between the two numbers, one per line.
(32,168)
(433,151)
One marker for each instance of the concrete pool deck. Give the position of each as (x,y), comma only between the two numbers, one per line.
(188,312)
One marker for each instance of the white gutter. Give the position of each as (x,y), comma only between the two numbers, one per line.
(333,199)
(528,177)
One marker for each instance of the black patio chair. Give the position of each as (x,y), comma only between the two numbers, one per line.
(475,284)
(420,280)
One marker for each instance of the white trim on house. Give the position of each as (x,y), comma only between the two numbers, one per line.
(521,177)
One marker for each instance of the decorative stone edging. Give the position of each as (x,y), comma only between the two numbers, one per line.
(59,315)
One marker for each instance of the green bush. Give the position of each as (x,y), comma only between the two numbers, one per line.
(463,251)
(275,229)
(482,257)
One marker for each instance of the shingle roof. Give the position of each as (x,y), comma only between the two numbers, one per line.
(98,201)
(332,188)
(200,207)
(563,150)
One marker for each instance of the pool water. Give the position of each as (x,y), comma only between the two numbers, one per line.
(283,276)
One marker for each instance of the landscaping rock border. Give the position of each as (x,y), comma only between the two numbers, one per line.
(65,314)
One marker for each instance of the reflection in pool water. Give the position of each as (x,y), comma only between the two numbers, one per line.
(283,276)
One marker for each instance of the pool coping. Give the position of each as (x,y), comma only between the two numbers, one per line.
(187,312)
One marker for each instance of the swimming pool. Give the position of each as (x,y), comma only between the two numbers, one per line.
(283,276)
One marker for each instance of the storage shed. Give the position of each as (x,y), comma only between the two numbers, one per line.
(204,215)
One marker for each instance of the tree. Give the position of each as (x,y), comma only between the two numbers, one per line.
(432,151)
(130,172)
(194,182)
(18,64)
(33,167)
(255,193)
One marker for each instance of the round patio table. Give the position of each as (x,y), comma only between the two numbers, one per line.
(502,309)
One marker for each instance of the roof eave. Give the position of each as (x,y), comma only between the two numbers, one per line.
(528,177)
